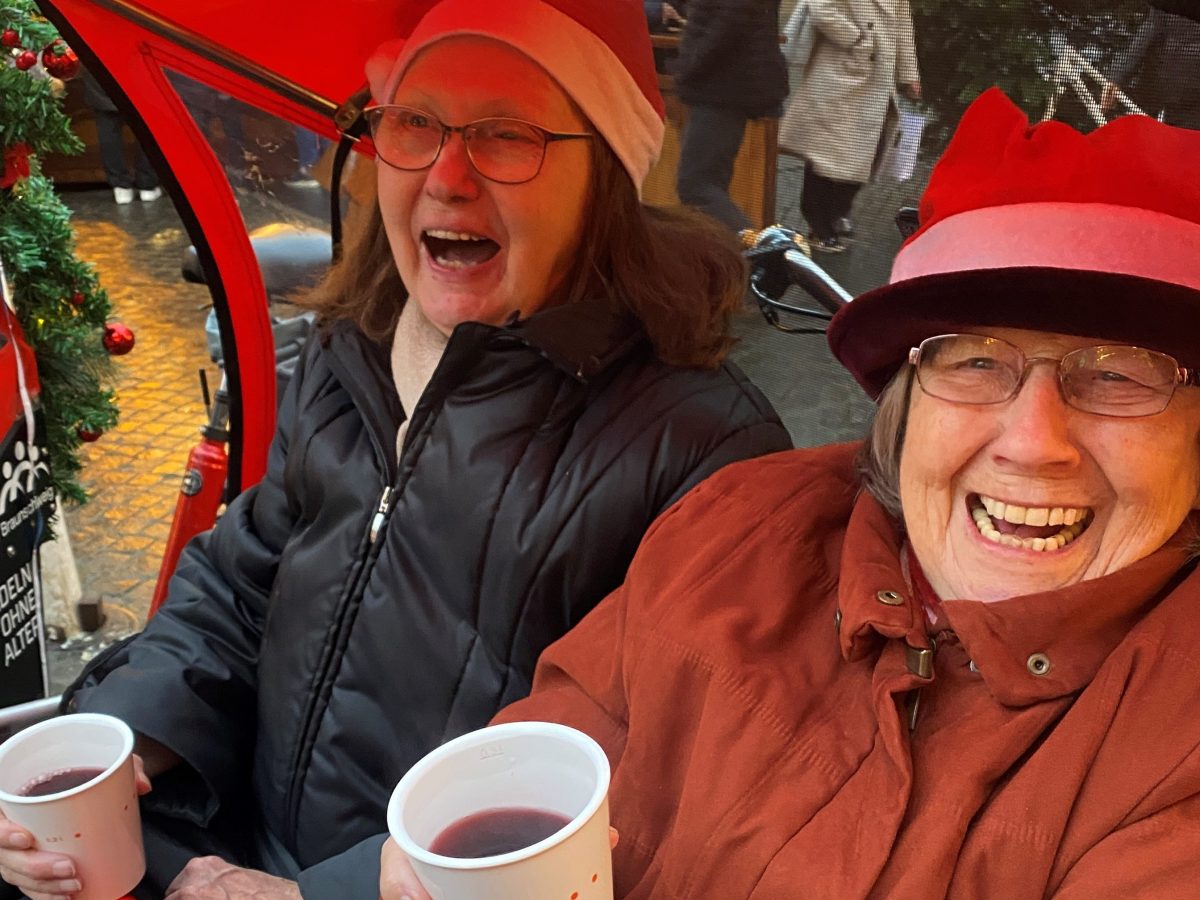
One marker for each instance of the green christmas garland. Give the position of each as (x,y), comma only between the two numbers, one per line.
(60,304)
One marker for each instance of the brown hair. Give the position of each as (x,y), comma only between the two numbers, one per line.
(675,270)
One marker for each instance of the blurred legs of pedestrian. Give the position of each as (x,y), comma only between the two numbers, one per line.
(110,135)
(711,139)
(825,204)
(308,151)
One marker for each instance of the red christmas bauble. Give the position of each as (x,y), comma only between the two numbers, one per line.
(118,339)
(77,299)
(26,60)
(9,38)
(60,60)
(87,435)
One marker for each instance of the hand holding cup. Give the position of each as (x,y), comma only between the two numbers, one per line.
(69,822)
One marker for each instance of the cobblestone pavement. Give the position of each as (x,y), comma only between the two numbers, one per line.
(133,472)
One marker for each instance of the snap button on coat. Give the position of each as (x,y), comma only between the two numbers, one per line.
(1038,664)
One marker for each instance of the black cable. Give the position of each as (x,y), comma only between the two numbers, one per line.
(352,124)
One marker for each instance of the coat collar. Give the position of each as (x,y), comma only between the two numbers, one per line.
(582,339)
(1073,629)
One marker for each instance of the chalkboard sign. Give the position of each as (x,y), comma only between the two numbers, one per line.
(26,503)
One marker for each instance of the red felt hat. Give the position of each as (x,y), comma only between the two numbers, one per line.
(597,50)
(1047,229)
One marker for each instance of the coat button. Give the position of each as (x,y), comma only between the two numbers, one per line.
(872,57)
(1038,664)
(870,26)
(889,598)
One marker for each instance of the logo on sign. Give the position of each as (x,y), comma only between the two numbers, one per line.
(20,477)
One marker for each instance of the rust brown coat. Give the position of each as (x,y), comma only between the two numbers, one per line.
(761,752)
(845,99)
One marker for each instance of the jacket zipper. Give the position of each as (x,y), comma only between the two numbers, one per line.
(306,742)
(381,513)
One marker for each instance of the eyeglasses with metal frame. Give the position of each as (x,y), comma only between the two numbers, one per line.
(501,149)
(1107,380)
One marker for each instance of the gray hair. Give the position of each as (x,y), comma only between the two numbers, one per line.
(878,461)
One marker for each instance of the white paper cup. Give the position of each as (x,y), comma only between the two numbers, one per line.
(535,765)
(97,824)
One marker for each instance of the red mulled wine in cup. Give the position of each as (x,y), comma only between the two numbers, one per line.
(492,832)
(59,781)
(510,812)
(70,782)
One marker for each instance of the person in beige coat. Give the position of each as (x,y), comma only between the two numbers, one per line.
(844,104)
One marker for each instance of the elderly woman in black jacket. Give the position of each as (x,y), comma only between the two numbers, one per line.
(520,368)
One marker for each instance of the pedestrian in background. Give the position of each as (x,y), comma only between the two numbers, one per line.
(845,106)
(110,135)
(730,69)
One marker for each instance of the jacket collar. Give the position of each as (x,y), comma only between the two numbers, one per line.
(582,339)
(1073,629)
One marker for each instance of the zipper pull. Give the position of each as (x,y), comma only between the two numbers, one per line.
(381,513)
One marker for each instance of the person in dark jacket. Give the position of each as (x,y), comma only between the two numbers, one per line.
(520,367)
(1160,68)
(110,135)
(730,69)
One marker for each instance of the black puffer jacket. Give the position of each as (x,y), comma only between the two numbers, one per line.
(730,57)
(352,611)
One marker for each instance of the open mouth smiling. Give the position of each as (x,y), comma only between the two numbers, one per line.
(458,249)
(1043,529)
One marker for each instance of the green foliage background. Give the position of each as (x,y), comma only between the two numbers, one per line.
(966,46)
(38,250)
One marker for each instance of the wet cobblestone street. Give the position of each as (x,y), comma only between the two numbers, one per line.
(133,473)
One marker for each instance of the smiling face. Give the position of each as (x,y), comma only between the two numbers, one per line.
(521,238)
(982,485)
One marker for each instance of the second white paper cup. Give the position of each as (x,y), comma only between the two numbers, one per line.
(98,823)
(522,764)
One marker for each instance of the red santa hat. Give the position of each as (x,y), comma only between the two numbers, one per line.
(1047,229)
(597,50)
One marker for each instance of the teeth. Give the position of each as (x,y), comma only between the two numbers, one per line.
(1037,515)
(453,235)
(1073,520)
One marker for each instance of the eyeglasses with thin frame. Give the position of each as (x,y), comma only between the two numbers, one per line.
(504,150)
(1108,380)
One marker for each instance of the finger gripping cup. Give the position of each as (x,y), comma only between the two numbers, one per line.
(69,781)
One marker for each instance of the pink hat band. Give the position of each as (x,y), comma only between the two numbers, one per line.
(606,76)
(1088,237)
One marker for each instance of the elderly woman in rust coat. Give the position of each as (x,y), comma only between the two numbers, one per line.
(960,659)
